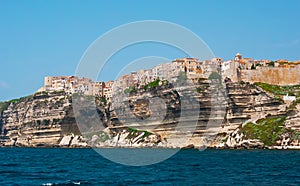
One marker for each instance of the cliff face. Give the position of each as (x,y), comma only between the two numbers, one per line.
(196,115)
(264,121)
(38,120)
(47,119)
(221,112)
(247,102)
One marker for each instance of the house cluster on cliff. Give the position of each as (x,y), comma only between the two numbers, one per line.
(192,67)
(280,72)
(73,84)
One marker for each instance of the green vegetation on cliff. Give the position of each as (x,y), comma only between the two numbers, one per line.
(216,76)
(294,104)
(280,90)
(152,84)
(4,105)
(136,131)
(101,136)
(131,89)
(267,130)
(271,64)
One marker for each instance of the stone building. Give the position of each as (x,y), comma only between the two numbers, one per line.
(108,90)
(98,89)
(72,84)
(192,66)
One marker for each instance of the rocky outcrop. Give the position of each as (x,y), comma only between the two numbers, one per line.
(127,137)
(237,140)
(249,102)
(38,120)
(293,118)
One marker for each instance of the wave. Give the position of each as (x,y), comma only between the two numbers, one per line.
(69,182)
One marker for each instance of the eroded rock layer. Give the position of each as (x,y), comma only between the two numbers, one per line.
(201,114)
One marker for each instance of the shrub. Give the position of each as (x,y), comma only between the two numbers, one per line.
(46,122)
(154,84)
(136,131)
(131,89)
(182,76)
(103,100)
(4,106)
(271,64)
(145,87)
(215,75)
(56,120)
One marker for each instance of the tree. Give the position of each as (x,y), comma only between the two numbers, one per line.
(215,75)
(182,76)
(271,64)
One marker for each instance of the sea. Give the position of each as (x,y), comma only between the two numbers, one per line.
(63,166)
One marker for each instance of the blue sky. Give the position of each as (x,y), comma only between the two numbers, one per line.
(48,38)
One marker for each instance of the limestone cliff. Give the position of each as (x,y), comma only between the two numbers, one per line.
(38,120)
(47,120)
(195,115)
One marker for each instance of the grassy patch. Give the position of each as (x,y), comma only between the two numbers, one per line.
(137,132)
(280,90)
(225,139)
(267,130)
(131,89)
(102,136)
(41,93)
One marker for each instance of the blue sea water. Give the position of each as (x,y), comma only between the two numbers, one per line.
(55,166)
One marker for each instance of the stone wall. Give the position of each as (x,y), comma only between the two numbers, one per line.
(272,75)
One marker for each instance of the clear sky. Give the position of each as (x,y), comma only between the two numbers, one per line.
(48,38)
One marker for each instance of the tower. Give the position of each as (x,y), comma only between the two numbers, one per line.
(48,82)
(238,57)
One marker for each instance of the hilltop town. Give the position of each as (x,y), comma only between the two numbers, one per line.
(279,72)
(253,104)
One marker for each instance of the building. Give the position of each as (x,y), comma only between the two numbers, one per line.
(288,98)
(192,67)
(238,57)
(244,63)
(108,90)
(73,84)
(98,89)
(209,66)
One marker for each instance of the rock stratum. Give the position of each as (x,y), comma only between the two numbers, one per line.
(203,114)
